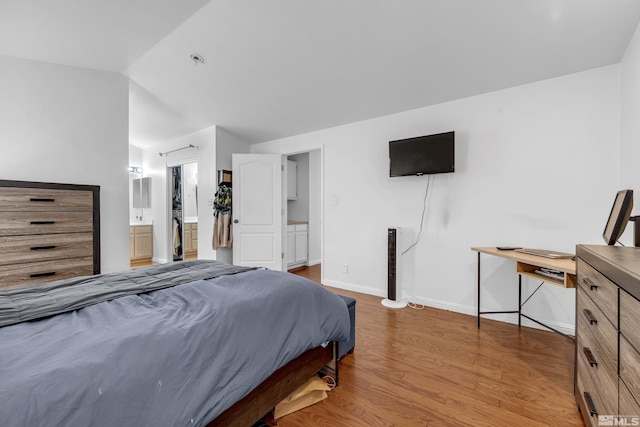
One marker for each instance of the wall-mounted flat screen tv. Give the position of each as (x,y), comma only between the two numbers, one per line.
(422,155)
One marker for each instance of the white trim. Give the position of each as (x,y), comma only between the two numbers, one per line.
(354,288)
(458,308)
(296,265)
(501,317)
(180,162)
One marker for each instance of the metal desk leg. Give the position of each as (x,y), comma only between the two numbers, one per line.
(519,300)
(480,312)
(478,290)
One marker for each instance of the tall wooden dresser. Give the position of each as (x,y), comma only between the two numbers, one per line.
(607,380)
(48,232)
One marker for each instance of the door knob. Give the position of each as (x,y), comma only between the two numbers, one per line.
(235,221)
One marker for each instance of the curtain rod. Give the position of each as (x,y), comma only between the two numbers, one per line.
(178,149)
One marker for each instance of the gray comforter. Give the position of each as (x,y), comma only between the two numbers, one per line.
(50,298)
(173,357)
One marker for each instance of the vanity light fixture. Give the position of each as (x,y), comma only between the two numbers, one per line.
(135,169)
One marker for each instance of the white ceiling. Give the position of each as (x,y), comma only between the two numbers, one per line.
(276,68)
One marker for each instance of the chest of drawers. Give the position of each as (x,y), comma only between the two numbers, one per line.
(607,380)
(48,232)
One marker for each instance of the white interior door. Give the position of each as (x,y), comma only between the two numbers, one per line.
(258,199)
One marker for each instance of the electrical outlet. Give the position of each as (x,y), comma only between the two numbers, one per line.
(345,267)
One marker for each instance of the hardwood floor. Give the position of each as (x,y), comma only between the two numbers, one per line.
(435,368)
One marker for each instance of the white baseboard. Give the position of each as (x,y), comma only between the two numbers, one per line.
(303,264)
(296,265)
(457,308)
(501,317)
(354,288)
(159,260)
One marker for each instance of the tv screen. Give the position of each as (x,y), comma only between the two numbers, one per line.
(422,155)
(619,216)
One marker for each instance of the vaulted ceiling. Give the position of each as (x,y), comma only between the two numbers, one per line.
(275,68)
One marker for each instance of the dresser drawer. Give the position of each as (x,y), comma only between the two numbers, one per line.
(591,319)
(45,247)
(141,229)
(628,404)
(630,318)
(601,290)
(598,373)
(44,199)
(23,223)
(600,358)
(586,387)
(630,367)
(16,275)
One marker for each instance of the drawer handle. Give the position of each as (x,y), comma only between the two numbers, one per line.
(49,273)
(591,285)
(42,248)
(38,199)
(592,408)
(42,222)
(592,320)
(592,360)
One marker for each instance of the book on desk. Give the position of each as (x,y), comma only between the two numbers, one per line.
(545,253)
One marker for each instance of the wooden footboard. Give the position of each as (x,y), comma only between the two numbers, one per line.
(278,386)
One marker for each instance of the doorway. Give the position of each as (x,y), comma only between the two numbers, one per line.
(183,211)
(304,209)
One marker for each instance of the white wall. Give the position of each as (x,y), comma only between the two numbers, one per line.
(70,125)
(315,207)
(536,165)
(630,125)
(156,166)
(227,143)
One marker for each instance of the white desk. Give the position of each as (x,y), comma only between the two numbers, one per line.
(526,265)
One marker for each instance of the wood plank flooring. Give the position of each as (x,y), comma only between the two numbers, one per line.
(435,368)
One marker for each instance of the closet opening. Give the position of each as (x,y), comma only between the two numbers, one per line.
(183,211)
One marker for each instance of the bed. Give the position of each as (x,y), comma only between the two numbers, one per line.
(193,343)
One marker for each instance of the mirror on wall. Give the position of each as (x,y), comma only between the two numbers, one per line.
(141,192)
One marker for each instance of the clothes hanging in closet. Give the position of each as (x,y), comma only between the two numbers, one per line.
(223,228)
(177,240)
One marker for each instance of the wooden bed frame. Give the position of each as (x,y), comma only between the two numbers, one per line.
(279,385)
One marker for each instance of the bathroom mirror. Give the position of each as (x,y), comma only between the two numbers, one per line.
(142,192)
